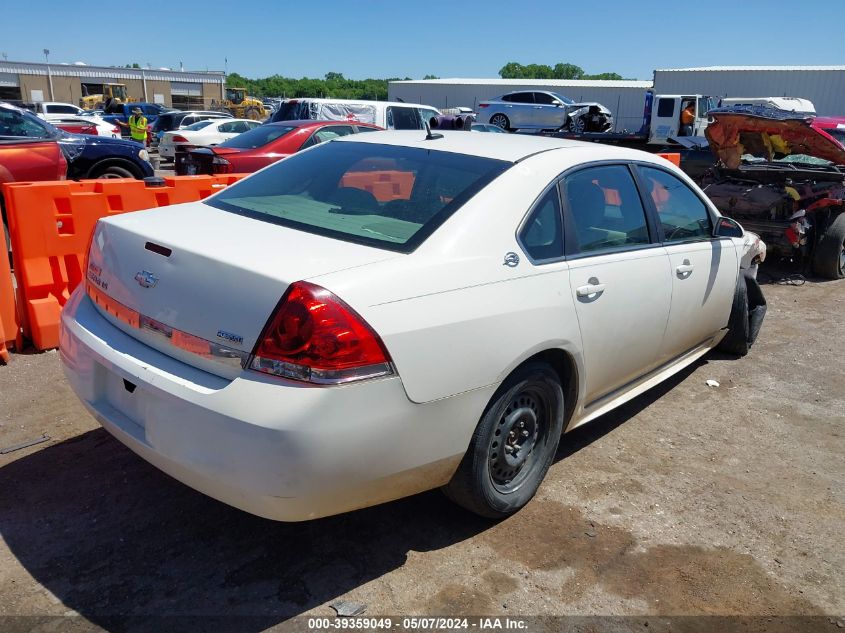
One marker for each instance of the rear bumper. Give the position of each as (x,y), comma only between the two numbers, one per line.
(273,448)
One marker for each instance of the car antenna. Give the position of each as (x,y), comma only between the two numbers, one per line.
(429,135)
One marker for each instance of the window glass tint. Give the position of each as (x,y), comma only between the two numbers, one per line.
(257,137)
(61,109)
(399,118)
(200,125)
(665,107)
(361,128)
(542,97)
(562,99)
(332,131)
(541,236)
(682,213)
(382,195)
(17,124)
(605,209)
(507,98)
(523,97)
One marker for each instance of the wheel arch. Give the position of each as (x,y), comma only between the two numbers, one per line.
(105,163)
(564,364)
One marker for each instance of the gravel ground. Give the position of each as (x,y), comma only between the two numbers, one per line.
(690,500)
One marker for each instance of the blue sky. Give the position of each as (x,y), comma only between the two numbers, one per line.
(398,38)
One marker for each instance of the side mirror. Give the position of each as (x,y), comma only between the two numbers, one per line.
(557,103)
(727,227)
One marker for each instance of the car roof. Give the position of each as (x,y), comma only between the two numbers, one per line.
(320,122)
(362,102)
(509,147)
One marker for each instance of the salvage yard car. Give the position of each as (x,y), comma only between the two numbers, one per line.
(542,110)
(391,312)
(257,148)
(782,174)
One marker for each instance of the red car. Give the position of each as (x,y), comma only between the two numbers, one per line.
(253,150)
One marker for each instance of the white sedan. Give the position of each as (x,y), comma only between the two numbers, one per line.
(104,128)
(203,134)
(391,312)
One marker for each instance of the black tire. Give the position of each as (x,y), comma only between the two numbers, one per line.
(747,314)
(829,258)
(736,340)
(501,121)
(495,482)
(114,171)
(252,113)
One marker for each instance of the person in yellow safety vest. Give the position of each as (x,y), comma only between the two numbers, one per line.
(137,126)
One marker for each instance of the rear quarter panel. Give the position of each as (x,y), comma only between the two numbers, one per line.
(28,160)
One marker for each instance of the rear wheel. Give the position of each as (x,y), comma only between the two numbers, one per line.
(829,258)
(252,113)
(513,444)
(500,120)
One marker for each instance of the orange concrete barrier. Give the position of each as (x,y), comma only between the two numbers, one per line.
(51,224)
(8,315)
(672,157)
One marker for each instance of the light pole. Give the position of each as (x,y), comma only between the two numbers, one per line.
(49,74)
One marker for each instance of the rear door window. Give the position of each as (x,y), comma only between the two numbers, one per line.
(386,196)
(604,210)
(541,235)
(326,134)
(665,107)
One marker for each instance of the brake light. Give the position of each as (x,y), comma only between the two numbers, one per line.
(315,337)
(221,166)
(115,130)
(178,138)
(483,105)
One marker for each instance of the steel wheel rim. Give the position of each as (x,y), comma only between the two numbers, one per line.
(521,433)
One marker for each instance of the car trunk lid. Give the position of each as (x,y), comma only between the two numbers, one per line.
(198,283)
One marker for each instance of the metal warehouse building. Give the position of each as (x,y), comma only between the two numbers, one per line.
(624,98)
(823,85)
(21,81)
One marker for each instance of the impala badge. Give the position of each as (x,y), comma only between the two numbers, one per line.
(146,279)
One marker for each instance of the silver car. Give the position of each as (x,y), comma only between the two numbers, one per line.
(543,110)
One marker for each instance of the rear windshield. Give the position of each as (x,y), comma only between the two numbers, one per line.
(257,137)
(200,125)
(380,195)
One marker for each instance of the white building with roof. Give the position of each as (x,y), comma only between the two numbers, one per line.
(624,98)
(823,85)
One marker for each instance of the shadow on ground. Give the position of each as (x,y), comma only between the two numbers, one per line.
(110,536)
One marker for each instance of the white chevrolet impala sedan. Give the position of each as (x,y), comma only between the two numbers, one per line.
(393,312)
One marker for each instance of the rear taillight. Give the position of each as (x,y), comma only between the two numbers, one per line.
(221,165)
(178,138)
(483,105)
(115,130)
(315,337)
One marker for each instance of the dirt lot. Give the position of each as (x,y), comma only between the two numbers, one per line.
(690,500)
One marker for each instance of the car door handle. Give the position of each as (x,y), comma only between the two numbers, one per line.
(538,107)
(589,290)
(685,269)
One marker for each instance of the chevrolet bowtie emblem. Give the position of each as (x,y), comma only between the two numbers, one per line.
(146,279)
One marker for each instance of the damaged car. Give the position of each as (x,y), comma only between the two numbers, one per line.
(542,110)
(782,175)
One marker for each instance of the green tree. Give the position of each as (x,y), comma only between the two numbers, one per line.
(568,71)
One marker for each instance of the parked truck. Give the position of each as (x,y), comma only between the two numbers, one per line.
(661,122)
(122,112)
